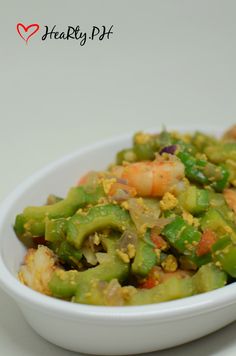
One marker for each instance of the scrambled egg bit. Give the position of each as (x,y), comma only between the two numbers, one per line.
(169,264)
(190,219)
(168,201)
(123,256)
(127,254)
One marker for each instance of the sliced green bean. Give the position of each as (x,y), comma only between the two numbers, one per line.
(145,257)
(185,238)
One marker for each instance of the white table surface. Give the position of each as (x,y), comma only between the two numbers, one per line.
(168,62)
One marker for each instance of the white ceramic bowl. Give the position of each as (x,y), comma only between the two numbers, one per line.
(94,329)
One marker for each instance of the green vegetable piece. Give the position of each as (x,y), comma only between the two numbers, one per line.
(145,146)
(145,151)
(194,200)
(208,278)
(26,227)
(224,255)
(201,141)
(221,243)
(193,168)
(171,289)
(95,219)
(176,234)
(126,155)
(165,139)
(68,254)
(219,153)
(55,234)
(52,199)
(218,176)
(217,201)
(145,257)
(184,238)
(55,230)
(32,221)
(196,260)
(231,167)
(227,260)
(204,172)
(63,284)
(215,221)
(66,284)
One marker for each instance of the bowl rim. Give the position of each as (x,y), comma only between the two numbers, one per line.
(176,309)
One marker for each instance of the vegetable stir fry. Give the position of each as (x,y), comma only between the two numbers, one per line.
(157,225)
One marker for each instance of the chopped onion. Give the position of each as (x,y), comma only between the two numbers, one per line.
(121,191)
(127,238)
(102,257)
(121,195)
(89,255)
(144,212)
(121,180)
(90,247)
(169,149)
(113,293)
(162,222)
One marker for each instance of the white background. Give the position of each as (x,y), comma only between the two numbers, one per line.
(168,62)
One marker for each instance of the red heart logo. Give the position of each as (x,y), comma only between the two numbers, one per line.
(24,30)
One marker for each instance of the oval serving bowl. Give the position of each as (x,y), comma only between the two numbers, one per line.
(95,329)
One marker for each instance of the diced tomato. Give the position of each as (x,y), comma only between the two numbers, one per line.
(151,280)
(83,179)
(158,240)
(208,239)
(148,283)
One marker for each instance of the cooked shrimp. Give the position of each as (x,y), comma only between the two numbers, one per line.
(153,178)
(37,269)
